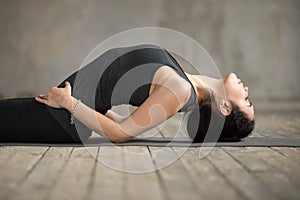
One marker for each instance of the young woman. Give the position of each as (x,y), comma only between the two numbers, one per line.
(146,76)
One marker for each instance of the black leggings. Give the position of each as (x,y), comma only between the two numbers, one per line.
(26,120)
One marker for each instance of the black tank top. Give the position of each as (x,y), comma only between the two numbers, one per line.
(118,76)
(127,79)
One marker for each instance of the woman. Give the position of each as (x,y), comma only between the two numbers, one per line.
(146,76)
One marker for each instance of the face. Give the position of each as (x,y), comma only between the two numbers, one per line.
(237,93)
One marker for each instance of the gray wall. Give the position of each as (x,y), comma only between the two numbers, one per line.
(42,42)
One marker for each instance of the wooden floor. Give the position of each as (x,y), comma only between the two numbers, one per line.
(40,172)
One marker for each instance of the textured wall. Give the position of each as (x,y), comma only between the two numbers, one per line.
(42,42)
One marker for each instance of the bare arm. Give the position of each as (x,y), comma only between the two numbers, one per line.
(163,103)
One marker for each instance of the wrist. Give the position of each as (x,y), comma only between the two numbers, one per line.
(69,103)
(73,108)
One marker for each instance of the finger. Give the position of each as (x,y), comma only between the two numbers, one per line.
(41,100)
(67,84)
(44,96)
(68,87)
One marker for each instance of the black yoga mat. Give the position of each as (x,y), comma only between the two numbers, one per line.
(184,142)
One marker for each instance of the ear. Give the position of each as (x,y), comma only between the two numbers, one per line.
(225,107)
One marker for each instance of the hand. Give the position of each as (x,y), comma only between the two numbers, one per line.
(57,97)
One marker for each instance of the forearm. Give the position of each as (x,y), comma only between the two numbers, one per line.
(98,122)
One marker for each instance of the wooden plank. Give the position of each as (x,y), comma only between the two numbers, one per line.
(279,184)
(289,152)
(278,119)
(238,177)
(279,162)
(175,180)
(297,148)
(273,134)
(275,181)
(74,181)
(288,121)
(109,183)
(283,122)
(265,126)
(45,174)
(248,160)
(205,177)
(18,167)
(6,152)
(145,183)
(137,159)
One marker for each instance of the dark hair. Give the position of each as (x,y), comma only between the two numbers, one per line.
(237,125)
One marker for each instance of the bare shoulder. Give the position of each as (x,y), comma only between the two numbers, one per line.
(166,71)
(168,77)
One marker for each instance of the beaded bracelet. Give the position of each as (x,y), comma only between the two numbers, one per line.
(74,106)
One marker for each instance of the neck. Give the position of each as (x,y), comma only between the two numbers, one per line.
(204,86)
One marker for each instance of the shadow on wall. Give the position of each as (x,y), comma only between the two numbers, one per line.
(24,94)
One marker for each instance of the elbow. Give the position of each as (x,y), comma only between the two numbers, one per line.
(115,134)
(117,141)
(119,138)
